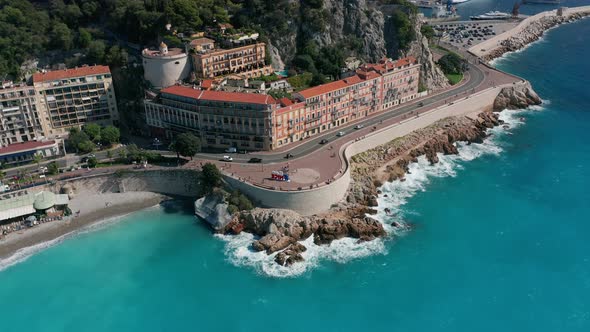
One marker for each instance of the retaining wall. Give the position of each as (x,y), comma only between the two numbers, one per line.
(312,201)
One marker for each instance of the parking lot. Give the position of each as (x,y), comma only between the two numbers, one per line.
(469,33)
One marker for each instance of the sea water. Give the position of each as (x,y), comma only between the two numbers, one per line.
(498,242)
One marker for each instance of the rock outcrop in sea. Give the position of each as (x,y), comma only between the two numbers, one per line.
(279,231)
(516,97)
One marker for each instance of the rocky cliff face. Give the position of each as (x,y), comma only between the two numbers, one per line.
(337,21)
(431,75)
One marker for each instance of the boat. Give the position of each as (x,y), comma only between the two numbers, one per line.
(455,2)
(546,2)
(495,15)
(442,14)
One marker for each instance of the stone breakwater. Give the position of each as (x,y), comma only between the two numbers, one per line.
(279,230)
(531,33)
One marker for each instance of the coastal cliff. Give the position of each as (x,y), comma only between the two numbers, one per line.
(279,230)
(431,76)
(331,23)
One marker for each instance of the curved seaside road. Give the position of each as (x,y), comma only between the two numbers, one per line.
(477,76)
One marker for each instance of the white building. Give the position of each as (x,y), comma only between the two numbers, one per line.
(164,67)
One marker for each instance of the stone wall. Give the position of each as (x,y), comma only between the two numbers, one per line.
(168,182)
(313,201)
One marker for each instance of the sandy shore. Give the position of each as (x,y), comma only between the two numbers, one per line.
(93,208)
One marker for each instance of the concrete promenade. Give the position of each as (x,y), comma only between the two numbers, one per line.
(320,174)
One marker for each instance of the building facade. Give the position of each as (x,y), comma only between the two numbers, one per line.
(19,120)
(253,121)
(165,67)
(247,61)
(73,97)
(221,119)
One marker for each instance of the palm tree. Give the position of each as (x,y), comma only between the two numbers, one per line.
(37,157)
(110,156)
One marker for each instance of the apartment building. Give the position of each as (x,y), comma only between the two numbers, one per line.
(19,120)
(73,97)
(248,61)
(253,121)
(221,119)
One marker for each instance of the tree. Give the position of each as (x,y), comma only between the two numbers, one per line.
(86,147)
(427,31)
(93,131)
(211,177)
(52,168)
(96,51)
(122,155)
(453,63)
(61,36)
(92,162)
(110,135)
(84,38)
(37,157)
(77,137)
(186,145)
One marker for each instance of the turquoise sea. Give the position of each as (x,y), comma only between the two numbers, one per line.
(499,243)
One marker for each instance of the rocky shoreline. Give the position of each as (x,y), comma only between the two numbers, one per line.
(279,230)
(533,32)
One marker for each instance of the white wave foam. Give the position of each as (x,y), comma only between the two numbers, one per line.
(238,247)
(239,253)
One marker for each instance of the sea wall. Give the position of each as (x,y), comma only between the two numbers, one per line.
(529,30)
(317,200)
(175,182)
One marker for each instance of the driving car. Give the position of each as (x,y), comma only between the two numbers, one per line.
(340,134)
(255,160)
(324,141)
(358,126)
(227,158)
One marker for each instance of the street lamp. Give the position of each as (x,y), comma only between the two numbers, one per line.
(156,143)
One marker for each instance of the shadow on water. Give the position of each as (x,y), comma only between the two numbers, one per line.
(178,205)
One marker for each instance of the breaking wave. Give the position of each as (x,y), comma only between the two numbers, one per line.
(238,247)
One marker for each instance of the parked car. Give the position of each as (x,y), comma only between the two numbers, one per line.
(231,150)
(227,158)
(255,160)
(358,126)
(324,141)
(340,134)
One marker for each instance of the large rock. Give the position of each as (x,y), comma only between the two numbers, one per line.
(273,242)
(213,210)
(333,229)
(517,96)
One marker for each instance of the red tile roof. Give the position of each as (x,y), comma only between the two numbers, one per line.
(322,89)
(69,73)
(206,84)
(24,146)
(405,61)
(237,97)
(285,101)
